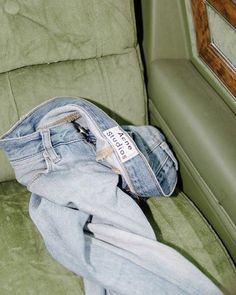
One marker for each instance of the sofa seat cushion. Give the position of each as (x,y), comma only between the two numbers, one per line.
(25,265)
(114,83)
(178,223)
(27,268)
(85,48)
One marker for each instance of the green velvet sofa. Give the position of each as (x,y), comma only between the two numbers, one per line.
(89,48)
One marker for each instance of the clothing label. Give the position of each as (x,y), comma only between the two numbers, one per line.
(121,143)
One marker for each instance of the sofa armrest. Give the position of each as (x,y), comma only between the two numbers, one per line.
(202,130)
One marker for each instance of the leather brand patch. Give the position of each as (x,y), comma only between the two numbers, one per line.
(121,143)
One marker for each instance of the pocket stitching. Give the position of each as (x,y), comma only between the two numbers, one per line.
(36,176)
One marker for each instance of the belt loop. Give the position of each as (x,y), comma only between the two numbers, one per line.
(49,150)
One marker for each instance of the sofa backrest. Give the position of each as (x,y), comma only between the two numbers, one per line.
(84,48)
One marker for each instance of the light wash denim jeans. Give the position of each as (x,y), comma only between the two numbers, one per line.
(85,172)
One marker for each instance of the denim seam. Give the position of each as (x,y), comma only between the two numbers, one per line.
(35,154)
(35,177)
(30,159)
(29,114)
(47,144)
(34,135)
(68,142)
(48,169)
(48,160)
(153,147)
(84,108)
(171,156)
(156,183)
(102,135)
(162,164)
(151,173)
(38,107)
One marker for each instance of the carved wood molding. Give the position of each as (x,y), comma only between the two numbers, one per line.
(227,8)
(207,51)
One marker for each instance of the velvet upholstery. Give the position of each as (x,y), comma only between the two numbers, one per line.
(82,48)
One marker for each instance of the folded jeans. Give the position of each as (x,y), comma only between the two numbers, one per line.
(82,168)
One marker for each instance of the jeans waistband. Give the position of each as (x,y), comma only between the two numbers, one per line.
(29,145)
(27,131)
(25,138)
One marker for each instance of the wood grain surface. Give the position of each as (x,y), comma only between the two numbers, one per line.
(207,51)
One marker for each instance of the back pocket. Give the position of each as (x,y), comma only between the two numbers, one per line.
(164,166)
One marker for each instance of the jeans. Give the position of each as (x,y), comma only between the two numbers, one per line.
(86,174)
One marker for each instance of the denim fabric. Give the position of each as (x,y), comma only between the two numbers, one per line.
(82,169)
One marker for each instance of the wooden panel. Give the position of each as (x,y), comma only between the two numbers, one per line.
(207,51)
(227,8)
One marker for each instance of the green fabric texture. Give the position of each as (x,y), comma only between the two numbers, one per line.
(114,83)
(81,48)
(42,31)
(202,129)
(85,48)
(27,268)
(179,224)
